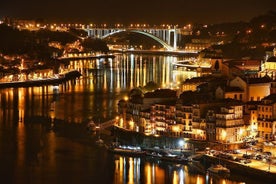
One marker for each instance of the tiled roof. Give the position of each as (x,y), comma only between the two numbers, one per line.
(265,79)
(271,97)
(233,89)
(271,59)
(168,103)
(243,62)
(252,102)
(162,93)
(208,78)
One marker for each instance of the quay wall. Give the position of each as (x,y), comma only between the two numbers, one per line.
(241,169)
(150,141)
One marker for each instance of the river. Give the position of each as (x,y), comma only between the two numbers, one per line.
(43,136)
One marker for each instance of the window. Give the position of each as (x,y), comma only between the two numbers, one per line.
(240,96)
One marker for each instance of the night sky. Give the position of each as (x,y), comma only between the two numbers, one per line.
(139,11)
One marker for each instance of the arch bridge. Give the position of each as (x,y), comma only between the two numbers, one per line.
(162,35)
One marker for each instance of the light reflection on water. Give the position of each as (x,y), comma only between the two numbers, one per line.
(96,93)
(132,170)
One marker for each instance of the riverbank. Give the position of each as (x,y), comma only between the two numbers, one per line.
(86,56)
(41,82)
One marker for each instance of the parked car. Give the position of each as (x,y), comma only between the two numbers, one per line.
(257,149)
(267,153)
(236,151)
(246,161)
(258,157)
(237,159)
(247,156)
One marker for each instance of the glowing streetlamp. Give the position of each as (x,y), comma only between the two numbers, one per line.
(116,120)
(126,98)
(181,144)
(131,125)
(223,135)
(121,122)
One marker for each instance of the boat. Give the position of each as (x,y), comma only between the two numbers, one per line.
(175,159)
(91,126)
(218,169)
(167,156)
(191,65)
(100,142)
(126,150)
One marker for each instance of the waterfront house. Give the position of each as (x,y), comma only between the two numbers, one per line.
(146,124)
(267,117)
(229,125)
(251,118)
(184,115)
(163,118)
(211,124)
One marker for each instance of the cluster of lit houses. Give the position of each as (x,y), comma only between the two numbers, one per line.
(237,103)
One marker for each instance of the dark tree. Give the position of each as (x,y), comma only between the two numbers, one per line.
(95,45)
(217,65)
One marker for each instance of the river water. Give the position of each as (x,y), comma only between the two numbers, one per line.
(43,136)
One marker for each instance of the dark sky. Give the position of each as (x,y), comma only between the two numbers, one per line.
(139,11)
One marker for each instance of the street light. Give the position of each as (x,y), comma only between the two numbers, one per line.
(181,144)
(126,98)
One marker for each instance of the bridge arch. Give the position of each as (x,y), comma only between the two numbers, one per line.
(167,46)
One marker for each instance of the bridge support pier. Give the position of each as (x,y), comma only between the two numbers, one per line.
(175,39)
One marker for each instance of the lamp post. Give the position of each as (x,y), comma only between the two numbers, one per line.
(269,161)
(125,112)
